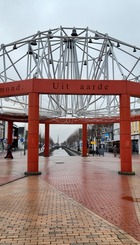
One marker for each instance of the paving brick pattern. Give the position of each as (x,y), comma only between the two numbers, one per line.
(12,169)
(33,212)
(95,183)
(75,201)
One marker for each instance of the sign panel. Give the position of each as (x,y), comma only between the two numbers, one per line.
(67,86)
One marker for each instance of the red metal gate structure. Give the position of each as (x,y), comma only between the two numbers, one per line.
(70,76)
(34,87)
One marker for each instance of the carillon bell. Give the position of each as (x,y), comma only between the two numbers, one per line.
(15,46)
(134,50)
(90,40)
(74,33)
(33,42)
(96,37)
(50,34)
(30,51)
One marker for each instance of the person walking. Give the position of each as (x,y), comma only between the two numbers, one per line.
(9,151)
(115,150)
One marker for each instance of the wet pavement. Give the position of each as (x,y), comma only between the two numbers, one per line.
(76,200)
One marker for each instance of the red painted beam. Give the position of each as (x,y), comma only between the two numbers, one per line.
(104,120)
(67,86)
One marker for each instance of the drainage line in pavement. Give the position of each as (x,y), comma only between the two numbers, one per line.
(13,180)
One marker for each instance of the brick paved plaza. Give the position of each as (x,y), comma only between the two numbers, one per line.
(75,200)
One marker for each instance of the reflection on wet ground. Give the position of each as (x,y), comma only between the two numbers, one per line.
(91,181)
(59,152)
(94,182)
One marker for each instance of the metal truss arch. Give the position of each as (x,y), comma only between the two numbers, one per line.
(69,53)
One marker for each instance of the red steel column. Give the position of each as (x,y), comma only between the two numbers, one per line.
(33,134)
(84,138)
(10,132)
(46,150)
(125,136)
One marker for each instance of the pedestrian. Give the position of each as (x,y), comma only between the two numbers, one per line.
(102,150)
(9,151)
(115,150)
(97,151)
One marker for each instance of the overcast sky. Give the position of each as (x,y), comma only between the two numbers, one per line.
(119,18)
